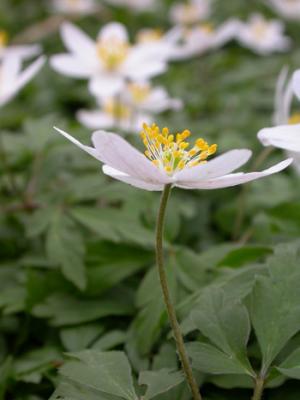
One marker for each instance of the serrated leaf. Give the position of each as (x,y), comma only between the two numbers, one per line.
(107,372)
(65,247)
(274,305)
(226,324)
(159,382)
(291,366)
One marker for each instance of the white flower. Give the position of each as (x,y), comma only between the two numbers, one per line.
(135,5)
(22,51)
(75,7)
(191,12)
(167,161)
(12,78)
(113,114)
(289,9)
(158,44)
(262,36)
(108,62)
(135,105)
(286,134)
(202,38)
(141,96)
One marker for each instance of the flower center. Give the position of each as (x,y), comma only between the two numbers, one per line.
(116,109)
(259,29)
(189,13)
(112,52)
(3,38)
(294,119)
(170,152)
(149,35)
(139,91)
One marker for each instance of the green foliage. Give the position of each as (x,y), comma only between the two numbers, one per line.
(77,269)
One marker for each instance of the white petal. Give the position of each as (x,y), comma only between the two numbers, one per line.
(106,85)
(120,176)
(285,137)
(219,166)
(95,119)
(71,66)
(113,30)
(14,82)
(235,179)
(90,150)
(119,154)
(23,52)
(296,83)
(77,41)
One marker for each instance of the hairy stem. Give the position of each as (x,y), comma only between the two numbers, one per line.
(167,297)
(259,388)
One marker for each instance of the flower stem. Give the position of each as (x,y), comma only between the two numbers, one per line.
(259,388)
(167,297)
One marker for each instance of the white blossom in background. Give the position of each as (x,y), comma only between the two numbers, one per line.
(13,78)
(136,104)
(22,51)
(286,132)
(202,38)
(75,7)
(167,160)
(135,5)
(159,44)
(107,62)
(289,9)
(113,113)
(262,36)
(143,97)
(191,12)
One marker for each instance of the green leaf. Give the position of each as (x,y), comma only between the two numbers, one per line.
(209,359)
(31,366)
(74,391)
(291,366)
(274,304)
(107,372)
(80,337)
(63,309)
(110,340)
(65,247)
(160,381)
(226,324)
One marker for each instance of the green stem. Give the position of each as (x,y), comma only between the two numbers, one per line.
(259,388)
(167,297)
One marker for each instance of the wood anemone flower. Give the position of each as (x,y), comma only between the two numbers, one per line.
(169,161)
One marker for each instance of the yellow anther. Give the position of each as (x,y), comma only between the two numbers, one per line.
(149,35)
(165,131)
(184,145)
(112,52)
(3,38)
(173,156)
(294,119)
(181,164)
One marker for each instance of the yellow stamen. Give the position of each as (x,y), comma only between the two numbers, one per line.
(294,119)
(118,110)
(172,155)
(139,91)
(149,35)
(112,52)
(3,38)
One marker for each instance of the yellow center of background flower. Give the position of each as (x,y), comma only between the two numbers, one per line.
(149,35)
(3,38)
(294,119)
(170,152)
(139,91)
(117,109)
(260,29)
(112,52)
